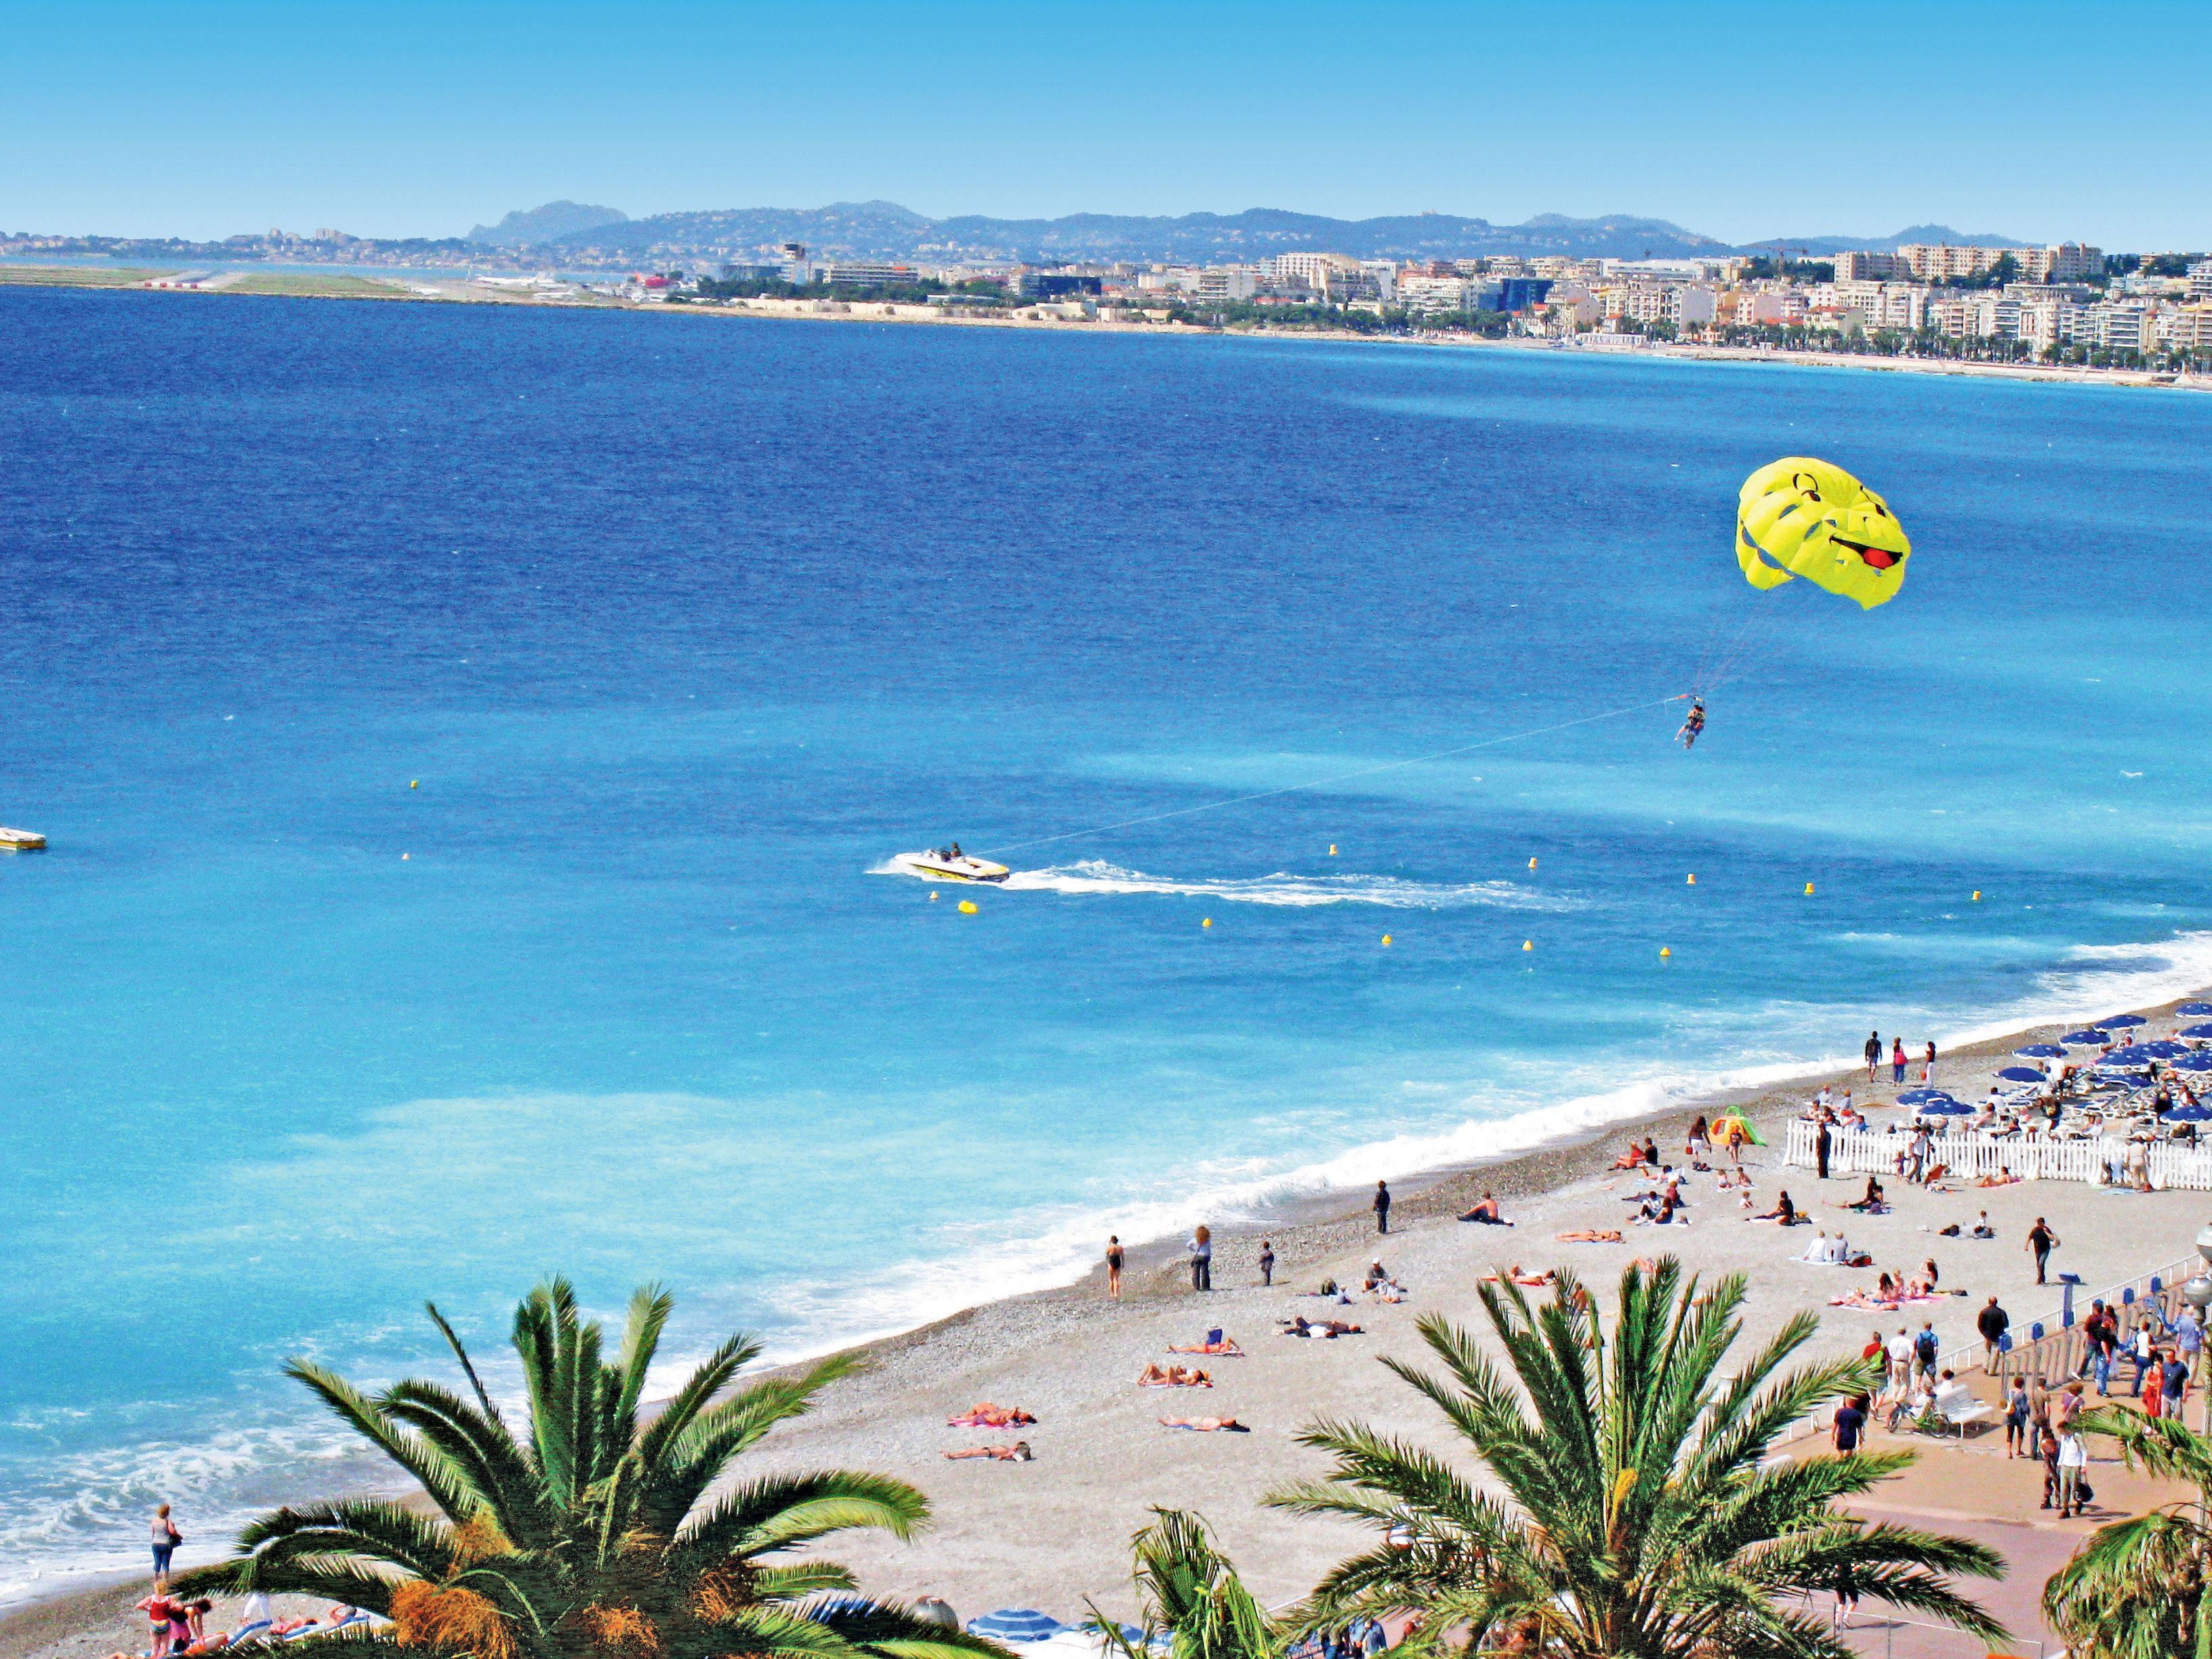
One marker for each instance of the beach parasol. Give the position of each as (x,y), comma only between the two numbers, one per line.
(2199,1031)
(2133,1054)
(1015,1625)
(1946,1107)
(2194,1010)
(2121,1021)
(2188,1112)
(2166,1048)
(2021,1074)
(1920,1097)
(2041,1051)
(2193,1063)
(2085,1038)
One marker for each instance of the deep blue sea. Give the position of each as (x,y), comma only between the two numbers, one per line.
(469,738)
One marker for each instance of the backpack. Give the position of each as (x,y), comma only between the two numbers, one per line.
(1924,1346)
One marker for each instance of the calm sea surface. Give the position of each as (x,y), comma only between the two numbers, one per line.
(684,627)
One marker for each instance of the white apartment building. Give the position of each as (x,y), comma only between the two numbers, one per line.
(1867,267)
(1769,308)
(1321,272)
(1939,262)
(1228,282)
(2200,280)
(1420,293)
(2187,328)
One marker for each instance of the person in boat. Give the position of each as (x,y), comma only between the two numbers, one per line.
(953,851)
(1693,723)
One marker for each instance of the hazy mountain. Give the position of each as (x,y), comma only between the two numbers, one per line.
(886,230)
(1911,235)
(546,224)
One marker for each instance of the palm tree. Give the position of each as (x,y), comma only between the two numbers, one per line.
(603,1529)
(1192,1597)
(2135,1589)
(1637,1521)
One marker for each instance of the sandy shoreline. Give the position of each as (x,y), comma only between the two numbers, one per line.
(1050,1534)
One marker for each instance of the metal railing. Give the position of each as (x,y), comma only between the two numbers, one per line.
(1969,1156)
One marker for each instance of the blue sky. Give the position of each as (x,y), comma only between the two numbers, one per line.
(400,117)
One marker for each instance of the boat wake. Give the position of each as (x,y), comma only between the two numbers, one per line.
(1094,876)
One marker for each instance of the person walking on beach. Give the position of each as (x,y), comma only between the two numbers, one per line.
(1822,1140)
(1896,1062)
(2041,1241)
(1992,1322)
(1928,1068)
(166,1538)
(1873,1056)
(1114,1266)
(1201,1260)
(1381,1206)
(1267,1262)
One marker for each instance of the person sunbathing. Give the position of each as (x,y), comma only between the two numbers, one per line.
(985,1415)
(1519,1276)
(1302,1326)
(1017,1453)
(1873,1202)
(1487,1212)
(1784,1212)
(1222,1347)
(1175,1376)
(2004,1178)
(1592,1235)
(1205,1424)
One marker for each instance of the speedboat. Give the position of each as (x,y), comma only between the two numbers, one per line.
(30,840)
(951,864)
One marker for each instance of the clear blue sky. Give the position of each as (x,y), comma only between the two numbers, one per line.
(399,117)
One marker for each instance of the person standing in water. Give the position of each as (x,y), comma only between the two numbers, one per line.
(1381,1206)
(1114,1266)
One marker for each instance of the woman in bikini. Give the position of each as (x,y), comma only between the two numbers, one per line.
(1017,1453)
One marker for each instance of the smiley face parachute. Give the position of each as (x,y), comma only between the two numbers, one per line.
(1802,517)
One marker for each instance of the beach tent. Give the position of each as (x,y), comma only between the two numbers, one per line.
(1721,1127)
(1015,1624)
(2041,1051)
(2021,1074)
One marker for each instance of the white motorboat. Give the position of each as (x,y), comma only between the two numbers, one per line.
(21,841)
(951,864)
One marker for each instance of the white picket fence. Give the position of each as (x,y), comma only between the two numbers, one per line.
(1970,1156)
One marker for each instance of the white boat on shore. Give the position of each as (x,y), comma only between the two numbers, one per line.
(950,864)
(21,841)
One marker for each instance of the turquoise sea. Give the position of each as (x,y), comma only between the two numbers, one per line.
(469,738)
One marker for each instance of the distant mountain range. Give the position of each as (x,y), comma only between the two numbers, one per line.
(544,224)
(1911,235)
(884,230)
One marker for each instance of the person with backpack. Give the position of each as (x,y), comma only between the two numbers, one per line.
(1924,1349)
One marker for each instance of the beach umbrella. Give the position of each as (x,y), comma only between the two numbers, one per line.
(2085,1038)
(1015,1624)
(2133,1054)
(2121,1022)
(1921,1097)
(2194,1010)
(2166,1048)
(2041,1051)
(2194,1063)
(840,1607)
(2199,1031)
(2021,1074)
(2189,1112)
(1947,1107)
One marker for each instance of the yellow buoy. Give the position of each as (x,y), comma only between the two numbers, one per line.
(1208,922)
(933,898)
(1386,938)
(1977,895)
(1527,944)
(1332,849)
(1692,881)
(967,907)
(414,783)
(1532,863)
(1664,952)
(402,857)
(1808,889)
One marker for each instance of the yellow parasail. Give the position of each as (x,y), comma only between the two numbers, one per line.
(1802,517)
